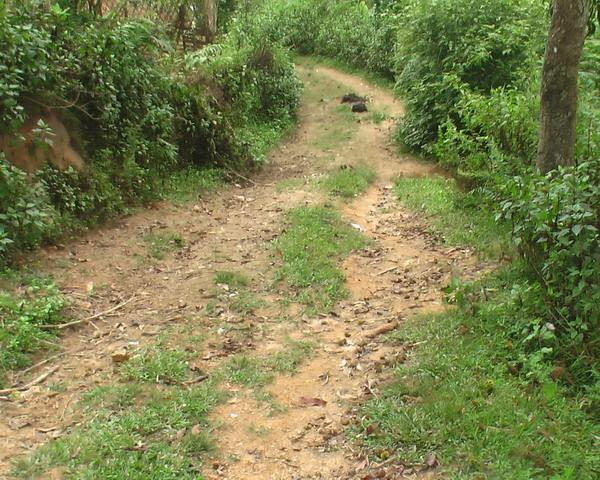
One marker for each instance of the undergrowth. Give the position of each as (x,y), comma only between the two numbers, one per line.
(28,303)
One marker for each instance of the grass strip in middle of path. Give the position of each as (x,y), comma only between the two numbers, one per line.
(314,240)
(348,181)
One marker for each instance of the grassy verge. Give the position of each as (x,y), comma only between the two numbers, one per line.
(466,398)
(479,393)
(349,181)
(457,216)
(315,239)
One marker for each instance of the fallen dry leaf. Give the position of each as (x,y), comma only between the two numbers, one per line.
(431,460)
(120,356)
(312,402)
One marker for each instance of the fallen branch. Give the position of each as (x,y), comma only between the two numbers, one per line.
(388,270)
(43,362)
(62,326)
(199,379)
(388,327)
(34,382)
(231,170)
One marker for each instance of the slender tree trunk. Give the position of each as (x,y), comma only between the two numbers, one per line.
(209,27)
(559,84)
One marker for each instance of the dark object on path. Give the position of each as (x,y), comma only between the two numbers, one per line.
(359,107)
(353,98)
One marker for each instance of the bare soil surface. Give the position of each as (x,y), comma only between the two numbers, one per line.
(399,275)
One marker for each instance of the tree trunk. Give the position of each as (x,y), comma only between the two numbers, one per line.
(209,27)
(559,84)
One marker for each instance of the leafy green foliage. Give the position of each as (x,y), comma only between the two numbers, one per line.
(133,119)
(556,221)
(451,45)
(346,30)
(316,237)
(26,217)
(27,304)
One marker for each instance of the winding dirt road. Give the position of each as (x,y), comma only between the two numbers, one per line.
(398,276)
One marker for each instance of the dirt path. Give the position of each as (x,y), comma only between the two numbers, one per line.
(399,276)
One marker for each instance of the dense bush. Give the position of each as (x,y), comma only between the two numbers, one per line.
(134,118)
(449,46)
(556,225)
(27,303)
(347,30)
(26,217)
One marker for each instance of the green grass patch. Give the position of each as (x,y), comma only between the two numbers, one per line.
(377,116)
(247,371)
(161,242)
(313,242)
(455,215)
(348,181)
(245,302)
(475,397)
(340,131)
(231,279)
(157,435)
(27,302)
(189,184)
(293,354)
(258,372)
(157,364)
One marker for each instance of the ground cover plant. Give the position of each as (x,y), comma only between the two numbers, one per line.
(315,238)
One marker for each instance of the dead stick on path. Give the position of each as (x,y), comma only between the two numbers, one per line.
(27,386)
(89,319)
(381,330)
(231,170)
(388,271)
(43,362)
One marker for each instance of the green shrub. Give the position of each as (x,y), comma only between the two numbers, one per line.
(26,218)
(133,119)
(493,137)
(556,222)
(348,30)
(446,46)
(27,303)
